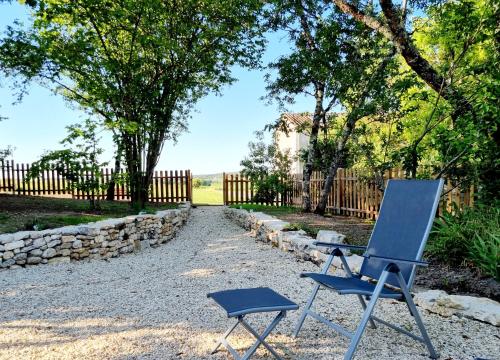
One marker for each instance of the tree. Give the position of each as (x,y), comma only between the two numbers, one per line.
(79,165)
(140,66)
(340,63)
(268,169)
(312,68)
(458,39)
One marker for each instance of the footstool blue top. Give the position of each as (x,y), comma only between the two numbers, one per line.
(255,300)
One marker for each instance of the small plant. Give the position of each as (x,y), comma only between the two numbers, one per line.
(485,254)
(300,226)
(470,236)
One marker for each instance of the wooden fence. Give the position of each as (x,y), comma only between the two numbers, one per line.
(167,186)
(351,194)
(239,189)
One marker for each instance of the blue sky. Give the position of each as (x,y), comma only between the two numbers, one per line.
(219,130)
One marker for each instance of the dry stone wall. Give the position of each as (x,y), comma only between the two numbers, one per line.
(99,240)
(269,229)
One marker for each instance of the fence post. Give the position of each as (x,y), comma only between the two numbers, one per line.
(224,189)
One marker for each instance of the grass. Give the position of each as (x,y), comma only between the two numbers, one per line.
(311,231)
(268,209)
(211,195)
(24,212)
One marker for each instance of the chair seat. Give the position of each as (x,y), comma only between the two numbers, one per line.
(351,285)
(239,302)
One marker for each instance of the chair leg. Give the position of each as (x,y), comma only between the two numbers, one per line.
(363,305)
(306,310)
(366,316)
(347,269)
(416,316)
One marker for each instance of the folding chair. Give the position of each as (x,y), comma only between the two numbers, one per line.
(241,302)
(393,252)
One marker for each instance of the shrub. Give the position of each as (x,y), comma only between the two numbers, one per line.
(300,226)
(470,237)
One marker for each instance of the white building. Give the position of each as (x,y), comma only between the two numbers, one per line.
(297,137)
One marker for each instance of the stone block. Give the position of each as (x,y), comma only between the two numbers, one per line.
(34,260)
(50,252)
(14,245)
(8,255)
(59,260)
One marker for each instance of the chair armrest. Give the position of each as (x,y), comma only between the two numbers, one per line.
(396,260)
(340,246)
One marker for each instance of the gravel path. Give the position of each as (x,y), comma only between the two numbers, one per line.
(153,305)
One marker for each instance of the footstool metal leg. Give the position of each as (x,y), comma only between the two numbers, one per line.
(261,338)
(224,337)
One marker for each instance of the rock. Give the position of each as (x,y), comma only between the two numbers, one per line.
(354,262)
(8,255)
(59,260)
(7,263)
(77,244)
(38,242)
(67,239)
(54,243)
(20,256)
(50,252)
(439,302)
(6,238)
(14,245)
(20,235)
(64,252)
(36,252)
(33,260)
(2,248)
(145,244)
(330,236)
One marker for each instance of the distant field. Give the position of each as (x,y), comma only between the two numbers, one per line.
(211,195)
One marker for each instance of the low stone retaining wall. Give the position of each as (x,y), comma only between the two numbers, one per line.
(100,240)
(269,229)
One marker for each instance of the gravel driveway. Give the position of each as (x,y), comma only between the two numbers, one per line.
(153,305)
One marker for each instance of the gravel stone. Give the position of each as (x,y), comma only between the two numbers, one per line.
(153,305)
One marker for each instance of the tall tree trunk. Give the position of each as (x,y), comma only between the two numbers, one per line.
(352,118)
(336,162)
(110,191)
(311,151)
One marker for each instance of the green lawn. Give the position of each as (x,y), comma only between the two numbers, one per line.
(211,195)
(30,212)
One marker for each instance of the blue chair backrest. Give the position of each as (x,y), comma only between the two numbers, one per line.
(403,225)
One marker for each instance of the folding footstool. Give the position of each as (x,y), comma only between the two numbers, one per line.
(240,302)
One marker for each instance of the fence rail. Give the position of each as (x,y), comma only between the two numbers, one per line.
(351,194)
(167,186)
(239,189)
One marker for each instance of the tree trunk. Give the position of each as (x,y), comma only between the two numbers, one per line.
(311,152)
(397,34)
(334,165)
(110,191)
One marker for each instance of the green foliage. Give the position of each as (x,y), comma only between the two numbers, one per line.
(485,253)
(80,166)
(311,231)
(50,222)
(5,153)
(268,169)
(139,66)
(197,183)
(470,236)
(268,209)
